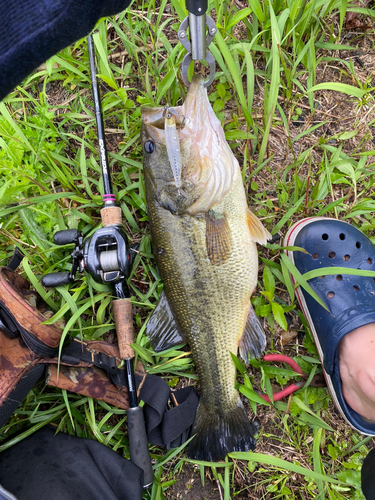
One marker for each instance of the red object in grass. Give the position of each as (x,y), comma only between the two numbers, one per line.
(291,388)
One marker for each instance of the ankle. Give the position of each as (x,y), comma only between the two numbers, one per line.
(357,370)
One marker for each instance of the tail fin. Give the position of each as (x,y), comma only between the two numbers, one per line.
(217,435)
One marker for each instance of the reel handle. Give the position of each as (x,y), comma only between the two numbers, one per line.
(139,453)
(66,236)
(56,279)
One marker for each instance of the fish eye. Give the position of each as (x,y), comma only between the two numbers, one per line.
(149,147)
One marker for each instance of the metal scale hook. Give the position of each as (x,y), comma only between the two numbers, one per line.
(200,38)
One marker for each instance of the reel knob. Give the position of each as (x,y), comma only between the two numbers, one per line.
(66,236)
(56,279)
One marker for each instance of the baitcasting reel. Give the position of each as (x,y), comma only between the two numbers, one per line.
(105,256)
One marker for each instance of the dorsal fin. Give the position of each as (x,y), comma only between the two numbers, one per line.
(258,232)
(218,239)
(161,328)
(253,340)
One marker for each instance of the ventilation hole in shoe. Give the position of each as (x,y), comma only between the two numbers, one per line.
(346,257)
(369,260)
(320,277)
(315,256)
(342,236)
(373,279)
(358,244)
(331,255)
(330,295)
(339,277)
(356,288)
(325,236)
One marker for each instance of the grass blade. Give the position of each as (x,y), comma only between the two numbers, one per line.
(282,464)
(339,87)
(300,280)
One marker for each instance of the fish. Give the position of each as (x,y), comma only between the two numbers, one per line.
(204,241)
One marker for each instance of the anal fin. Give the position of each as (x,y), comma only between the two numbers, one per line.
(253,340)
(161,328)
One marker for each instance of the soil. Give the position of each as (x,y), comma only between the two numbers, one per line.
(189,486)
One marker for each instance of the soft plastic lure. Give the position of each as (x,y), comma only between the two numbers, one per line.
(173,147)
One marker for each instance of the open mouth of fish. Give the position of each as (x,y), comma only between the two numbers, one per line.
(196,147)
(173,119)
(195,104)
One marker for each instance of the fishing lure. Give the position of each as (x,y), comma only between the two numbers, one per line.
(173,147)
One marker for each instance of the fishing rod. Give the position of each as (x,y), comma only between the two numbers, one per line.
(202,30)
(106,257)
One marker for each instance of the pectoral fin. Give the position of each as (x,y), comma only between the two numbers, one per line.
(253,340)
(258,232)
(218,239)
(161,328)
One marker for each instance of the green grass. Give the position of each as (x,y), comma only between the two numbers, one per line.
(277,62)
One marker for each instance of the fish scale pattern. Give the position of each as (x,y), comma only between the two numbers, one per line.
(209,302)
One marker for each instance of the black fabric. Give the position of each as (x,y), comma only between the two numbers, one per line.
(10,325)
(165,427)
(368,476)
(21,390)
(63,467)
(168,427)
(7,322)
(75,353)
(35,30)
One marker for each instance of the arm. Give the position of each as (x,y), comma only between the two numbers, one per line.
(35,30)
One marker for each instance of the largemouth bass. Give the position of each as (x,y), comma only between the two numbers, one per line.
(204,239)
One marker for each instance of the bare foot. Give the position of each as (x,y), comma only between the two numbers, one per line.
(357,370)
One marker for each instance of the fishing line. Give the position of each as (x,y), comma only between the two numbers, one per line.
(108,261)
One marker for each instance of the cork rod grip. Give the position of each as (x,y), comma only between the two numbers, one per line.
(122,311)
(111,216)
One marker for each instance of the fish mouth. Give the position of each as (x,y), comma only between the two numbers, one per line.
(195,104)
(155,117)
(206,160)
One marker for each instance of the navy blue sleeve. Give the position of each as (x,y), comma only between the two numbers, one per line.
(32,31)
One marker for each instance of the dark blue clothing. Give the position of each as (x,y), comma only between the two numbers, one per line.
(46,466)
(32,31)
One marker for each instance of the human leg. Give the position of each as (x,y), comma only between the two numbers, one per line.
(357,370)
